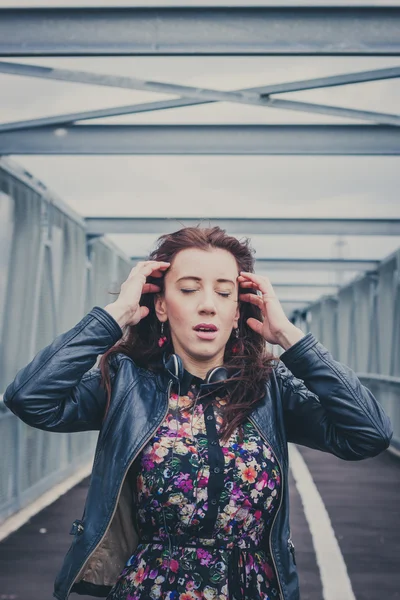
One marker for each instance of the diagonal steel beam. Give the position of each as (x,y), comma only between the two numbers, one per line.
(69,118)
(244,226)
(250,96)
(188,31)
(336,111)
(119,81)
(205,139)
(329,81)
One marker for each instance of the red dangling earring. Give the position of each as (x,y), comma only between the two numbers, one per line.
(236,345)
(162,340)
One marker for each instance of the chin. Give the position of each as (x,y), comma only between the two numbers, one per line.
(206,352)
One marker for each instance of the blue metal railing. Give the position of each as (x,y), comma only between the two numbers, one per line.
(33,461)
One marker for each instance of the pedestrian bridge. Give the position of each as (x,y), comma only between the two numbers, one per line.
(315,186)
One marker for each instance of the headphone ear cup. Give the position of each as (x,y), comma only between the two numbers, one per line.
(174,364)
(180,371)
(216,374)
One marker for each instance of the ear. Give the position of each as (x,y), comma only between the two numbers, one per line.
(160,308)
(237,315)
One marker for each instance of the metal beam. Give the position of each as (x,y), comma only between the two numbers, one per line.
(322,288)
(240,97)
(317,264)
(242,226)
(123,82)
(296,301)
(334,111)
(307,264)
(254,96)
(205,139)
(330,31)
(70,118)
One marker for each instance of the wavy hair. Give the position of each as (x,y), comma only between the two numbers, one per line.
(251,362)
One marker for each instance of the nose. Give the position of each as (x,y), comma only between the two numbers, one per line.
(207,302)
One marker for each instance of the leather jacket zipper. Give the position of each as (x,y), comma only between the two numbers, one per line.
(280,504)
(292,550)
(120,487)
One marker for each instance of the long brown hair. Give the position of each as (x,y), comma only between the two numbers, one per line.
(251,359)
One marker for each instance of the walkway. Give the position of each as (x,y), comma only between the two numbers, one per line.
(361,498)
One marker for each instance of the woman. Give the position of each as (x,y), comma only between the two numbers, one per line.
(188,495)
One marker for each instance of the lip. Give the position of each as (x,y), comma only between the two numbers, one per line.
(206,326)
(206,335)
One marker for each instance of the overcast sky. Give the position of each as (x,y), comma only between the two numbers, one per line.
(201,186)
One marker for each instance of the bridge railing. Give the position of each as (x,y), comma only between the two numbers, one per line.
(386,390)
(33,461)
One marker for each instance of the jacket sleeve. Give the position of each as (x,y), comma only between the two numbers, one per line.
(59,390)
(326,407)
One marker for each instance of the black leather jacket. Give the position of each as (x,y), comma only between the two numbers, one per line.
(59,391)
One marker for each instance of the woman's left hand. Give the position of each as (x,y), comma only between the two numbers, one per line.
(275,322)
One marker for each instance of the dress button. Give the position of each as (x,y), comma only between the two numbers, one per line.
(216,469)
(213,501)
(213,442)
(210,417)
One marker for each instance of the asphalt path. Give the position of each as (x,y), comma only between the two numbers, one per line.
(363,502)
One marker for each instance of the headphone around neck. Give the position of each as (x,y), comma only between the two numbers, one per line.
(174,365)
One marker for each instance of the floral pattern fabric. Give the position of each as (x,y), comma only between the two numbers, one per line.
(218,511)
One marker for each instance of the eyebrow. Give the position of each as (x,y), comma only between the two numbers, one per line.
(199,279)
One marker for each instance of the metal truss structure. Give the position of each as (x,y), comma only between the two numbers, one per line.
(211,31)
(182,31)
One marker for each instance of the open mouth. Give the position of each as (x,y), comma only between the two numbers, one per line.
(205,331)
(205,327)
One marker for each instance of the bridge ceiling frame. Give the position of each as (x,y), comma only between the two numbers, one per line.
(204,31)
(245,225)
(343,140)
(209,31)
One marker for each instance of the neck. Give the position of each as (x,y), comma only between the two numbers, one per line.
(200,368)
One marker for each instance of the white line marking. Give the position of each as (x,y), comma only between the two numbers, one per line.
(21,517)
(336,584)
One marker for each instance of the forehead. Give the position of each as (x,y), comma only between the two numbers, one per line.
(214,263)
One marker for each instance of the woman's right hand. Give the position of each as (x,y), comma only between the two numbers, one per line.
(126,310)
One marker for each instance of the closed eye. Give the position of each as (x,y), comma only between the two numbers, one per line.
(224,294)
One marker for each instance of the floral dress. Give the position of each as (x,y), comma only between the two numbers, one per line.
(203,510)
